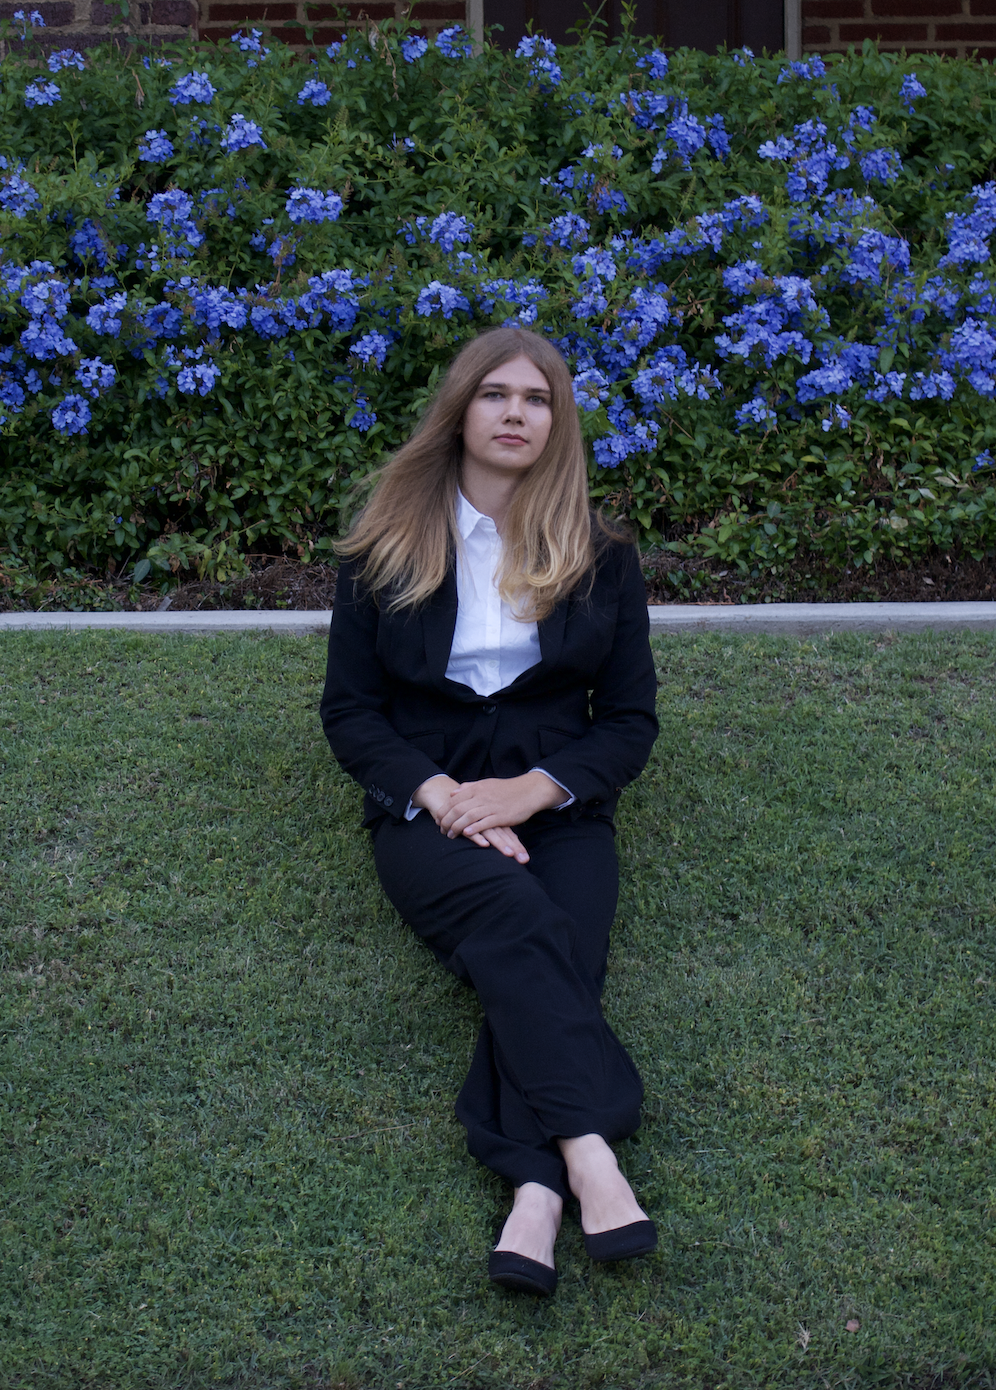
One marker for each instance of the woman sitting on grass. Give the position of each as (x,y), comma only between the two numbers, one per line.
(490,686)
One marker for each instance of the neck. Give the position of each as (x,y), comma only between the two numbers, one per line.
(490,494)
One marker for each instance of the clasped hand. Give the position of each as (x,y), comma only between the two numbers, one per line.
(485,811)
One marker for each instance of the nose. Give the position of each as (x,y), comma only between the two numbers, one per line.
(513,408)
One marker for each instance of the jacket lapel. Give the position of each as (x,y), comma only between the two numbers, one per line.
(551,634)
(438,623)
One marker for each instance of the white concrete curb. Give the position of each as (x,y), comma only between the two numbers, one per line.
(788,619)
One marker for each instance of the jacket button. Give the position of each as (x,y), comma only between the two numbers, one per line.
(388,800)
(488,709)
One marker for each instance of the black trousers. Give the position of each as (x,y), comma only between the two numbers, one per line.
(532,940)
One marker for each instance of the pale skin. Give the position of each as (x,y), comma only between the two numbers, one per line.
(505,430)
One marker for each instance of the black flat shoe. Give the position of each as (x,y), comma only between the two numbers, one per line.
(514,1271)
(622,1243)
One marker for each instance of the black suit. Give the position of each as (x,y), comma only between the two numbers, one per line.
(531,939)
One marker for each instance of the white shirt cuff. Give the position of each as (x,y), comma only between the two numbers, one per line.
(571,798)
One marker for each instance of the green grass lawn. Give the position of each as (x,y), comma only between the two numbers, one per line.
(227,1073)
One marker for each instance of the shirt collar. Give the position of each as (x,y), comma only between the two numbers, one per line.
(468,518)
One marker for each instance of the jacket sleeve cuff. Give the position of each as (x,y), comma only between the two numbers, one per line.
(571,798)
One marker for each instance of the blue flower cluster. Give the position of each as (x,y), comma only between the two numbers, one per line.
(65,58)
(543,65)
(309,205)
(414,47)
(454,43)
(314,92)
(155,148)
(241,134)
(17,195)
(41,94)
(196,86)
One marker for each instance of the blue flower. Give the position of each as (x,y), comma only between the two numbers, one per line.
(241,134)
(309,205)
(41,94)
(155,148)
(334,49)
(568,230)
(414,47)
(806,72)
(448,229)
(718,138)
(12,394)
(886,385)
(196,86)
(884,165)
(591,388)
(314,91)
(200,378)
(172,210)
(372,347)
(17,196)
(909,89)
(454,43)
(33,20)
(444,299)
(968,235)
(657,62)
(526,295)
(71,415)
(543,53)
(361,418)
(745,58)
(609,200)
(251,44)
(106,318)
(88,242)
(65,58)
(838,416)
(95,376)
(756,412)
(983,460)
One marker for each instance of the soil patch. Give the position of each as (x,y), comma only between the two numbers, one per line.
(288,584)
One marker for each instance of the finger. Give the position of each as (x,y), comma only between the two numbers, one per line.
(476,824)
(508,843)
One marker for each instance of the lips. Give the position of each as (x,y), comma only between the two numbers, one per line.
(510,439)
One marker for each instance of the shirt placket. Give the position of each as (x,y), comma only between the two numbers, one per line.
(492,615)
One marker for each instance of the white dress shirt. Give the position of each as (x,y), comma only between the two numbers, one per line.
(491,647)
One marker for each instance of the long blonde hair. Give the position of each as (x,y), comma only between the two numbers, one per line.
(407,532)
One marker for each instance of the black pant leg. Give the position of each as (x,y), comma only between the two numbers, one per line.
(546,1064)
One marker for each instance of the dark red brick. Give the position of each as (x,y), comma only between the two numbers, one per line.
(56,16)
(815,34)
(180,14)
(833,9)
(244,12)
(885,32)
(455,13)
(983,7)
(966,33)
(354,8)
(909,9)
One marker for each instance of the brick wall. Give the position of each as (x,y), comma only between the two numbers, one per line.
(82,23)
(956,27)
(220,18)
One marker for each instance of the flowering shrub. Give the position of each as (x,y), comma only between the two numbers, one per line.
(227,286)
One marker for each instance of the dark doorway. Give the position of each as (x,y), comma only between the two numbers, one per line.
(705,24)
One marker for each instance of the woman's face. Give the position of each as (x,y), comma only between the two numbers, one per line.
(508,421)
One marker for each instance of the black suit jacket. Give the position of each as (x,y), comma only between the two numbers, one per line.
(584,713)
